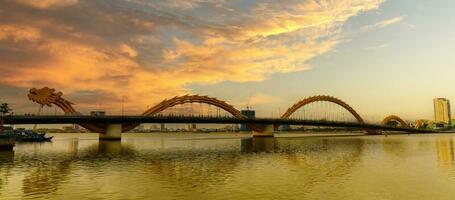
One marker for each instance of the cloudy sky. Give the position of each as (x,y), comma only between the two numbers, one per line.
(381,56)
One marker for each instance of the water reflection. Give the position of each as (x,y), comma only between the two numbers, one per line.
(45,175)
(196,170)
(6,163)
(314,161)
(201,167)
(296,145)
(115,148)
(45,179)
(73,147)
(396,147)
(445,151)
(46,171)
(108,149)
(258,144)
(332,157)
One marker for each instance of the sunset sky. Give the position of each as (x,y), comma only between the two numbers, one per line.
(381,56)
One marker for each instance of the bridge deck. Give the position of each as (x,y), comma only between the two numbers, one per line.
(84,119)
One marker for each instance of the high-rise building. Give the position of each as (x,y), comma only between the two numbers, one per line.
(442,111)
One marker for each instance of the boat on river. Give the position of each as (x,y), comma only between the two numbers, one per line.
(23,135)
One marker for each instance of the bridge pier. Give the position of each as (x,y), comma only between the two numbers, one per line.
(268,132)
(113,132)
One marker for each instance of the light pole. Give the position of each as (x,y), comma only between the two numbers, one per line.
(123,101)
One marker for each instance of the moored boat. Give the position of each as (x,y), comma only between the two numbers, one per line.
(23,135)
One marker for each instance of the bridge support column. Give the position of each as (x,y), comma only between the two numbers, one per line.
(268,132)
(113,132)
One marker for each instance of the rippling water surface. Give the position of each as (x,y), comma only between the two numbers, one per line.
(229,166)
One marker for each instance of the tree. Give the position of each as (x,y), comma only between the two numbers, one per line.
(4,109)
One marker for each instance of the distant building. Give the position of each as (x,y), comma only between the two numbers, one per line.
(422,123)
(162,127)
(192,127)
(251,114)
(97,113)
(154,128)
(285,127)
(442,111)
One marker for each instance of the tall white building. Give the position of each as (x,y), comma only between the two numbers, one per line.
(442,110)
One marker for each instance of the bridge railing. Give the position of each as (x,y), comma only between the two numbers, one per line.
(122,119)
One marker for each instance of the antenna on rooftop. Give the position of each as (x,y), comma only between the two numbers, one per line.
(248,105)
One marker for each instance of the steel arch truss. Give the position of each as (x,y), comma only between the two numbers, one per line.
(395,118)
(321,98)
(168,103)
(192,99)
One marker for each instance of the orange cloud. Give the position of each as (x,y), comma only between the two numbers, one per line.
(151,50)
(47,3)
(18,33)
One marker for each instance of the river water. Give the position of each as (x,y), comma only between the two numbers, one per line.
(231,166)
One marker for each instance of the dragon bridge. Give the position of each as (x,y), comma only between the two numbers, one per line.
(394,118)
(48,97)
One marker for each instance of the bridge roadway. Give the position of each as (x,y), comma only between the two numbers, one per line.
(84,119)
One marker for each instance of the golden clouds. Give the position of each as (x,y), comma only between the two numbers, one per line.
(42,4)
(18,33)
(151,50)
(128,50)
(72,66)
(286,17)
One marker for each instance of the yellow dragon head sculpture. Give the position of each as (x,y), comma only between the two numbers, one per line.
(44,96)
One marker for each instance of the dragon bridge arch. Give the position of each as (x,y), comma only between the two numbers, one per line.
(179,100)
(322,98)
(168,103)
(325,98)
(394,118)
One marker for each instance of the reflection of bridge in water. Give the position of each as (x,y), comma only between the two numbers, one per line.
(54,170)
(317,111)
(51,171)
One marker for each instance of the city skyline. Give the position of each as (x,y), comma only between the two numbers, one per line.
(382,57)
